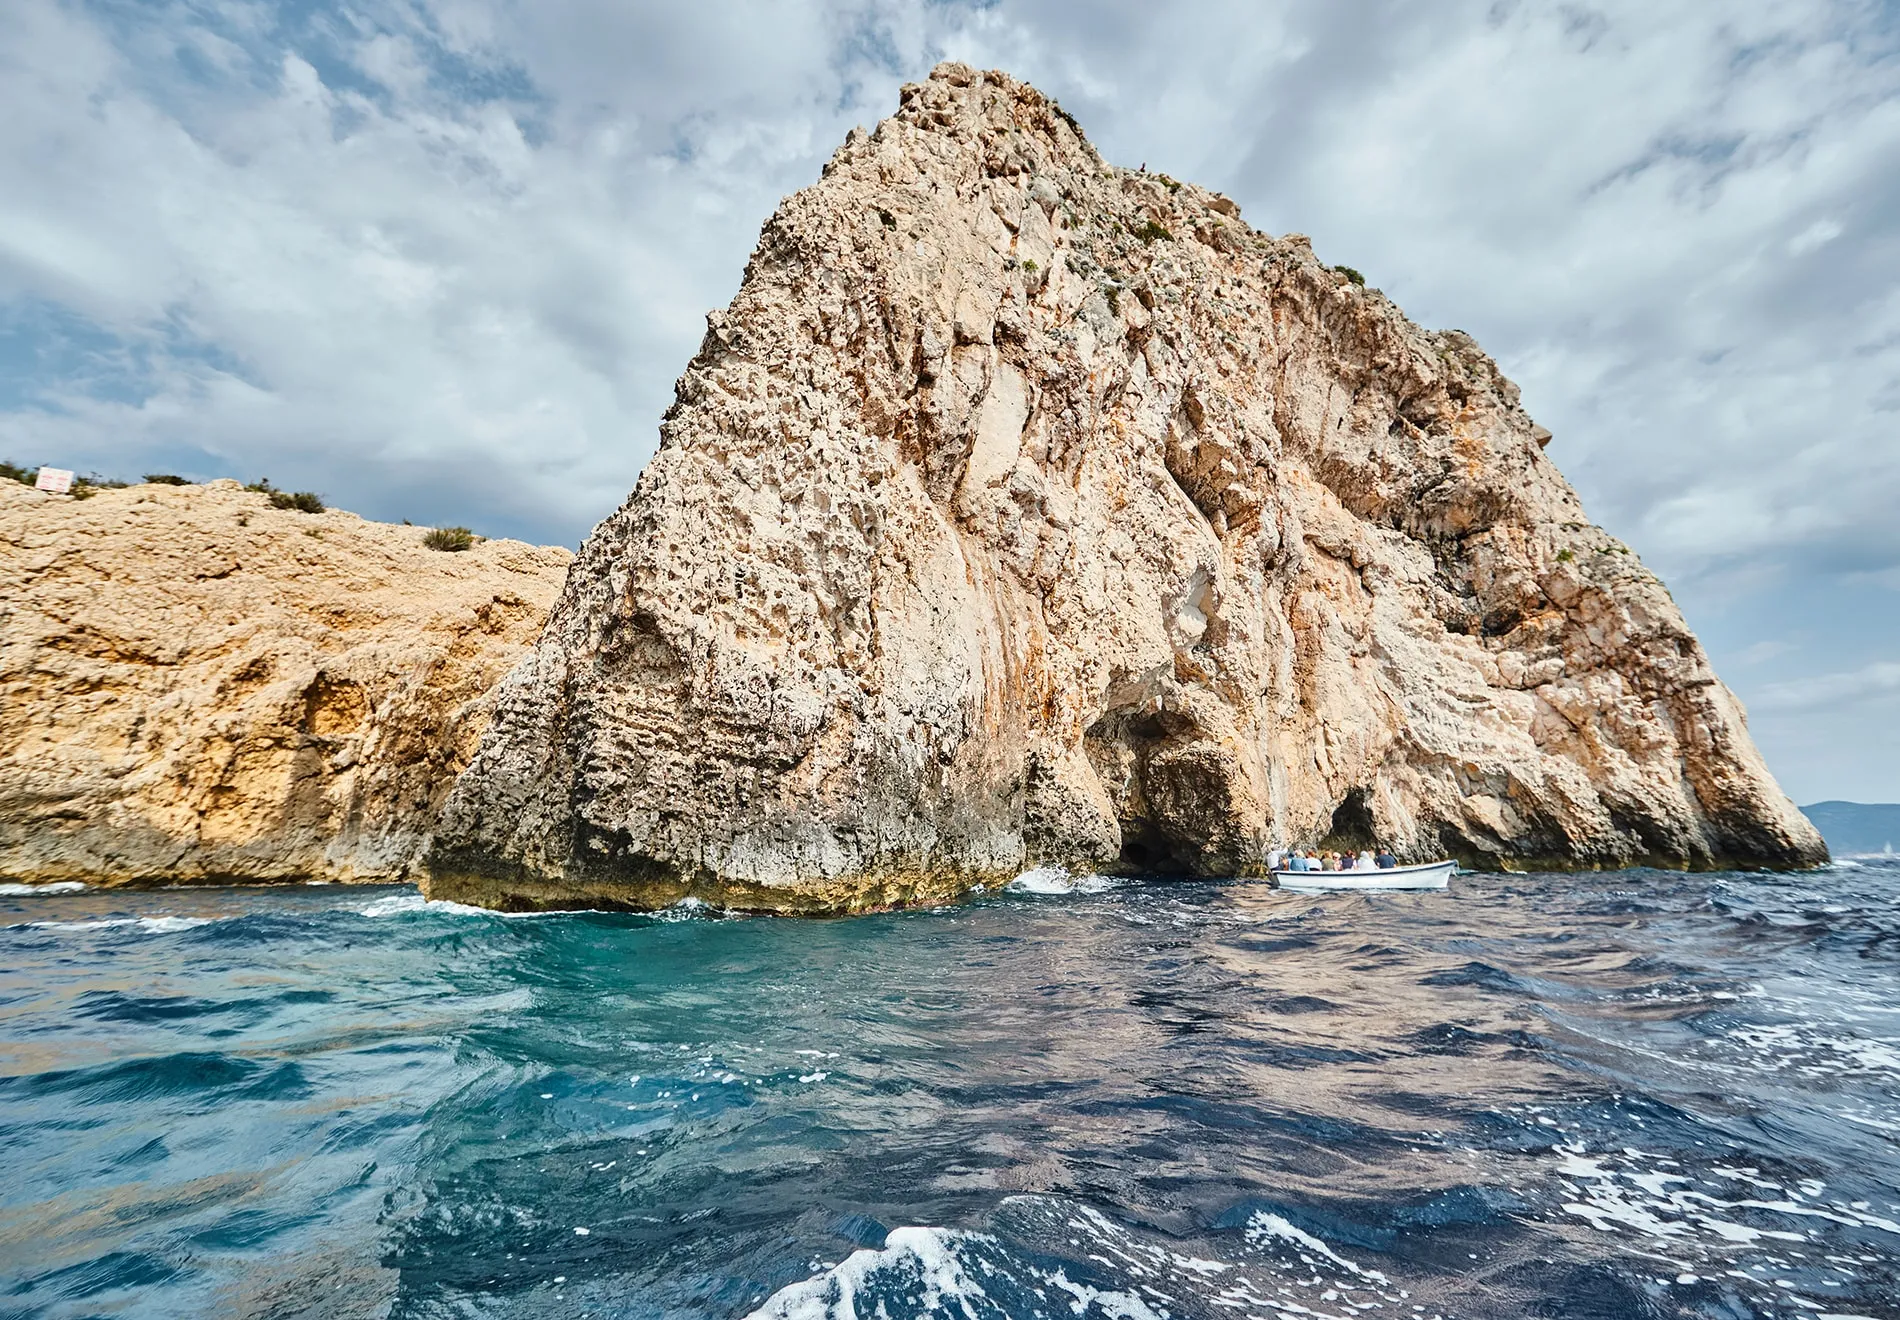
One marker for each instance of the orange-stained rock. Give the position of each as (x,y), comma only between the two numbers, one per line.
(195,687)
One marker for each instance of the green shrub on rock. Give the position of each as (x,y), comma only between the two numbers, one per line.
(303,501)
(84,488)
(449,538)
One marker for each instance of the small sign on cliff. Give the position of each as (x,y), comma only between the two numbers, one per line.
(56,481)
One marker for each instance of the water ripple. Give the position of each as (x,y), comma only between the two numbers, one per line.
(1643,1094)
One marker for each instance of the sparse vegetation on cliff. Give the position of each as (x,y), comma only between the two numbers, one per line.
(303,501)
(84,488)
(296,501)
(449,538)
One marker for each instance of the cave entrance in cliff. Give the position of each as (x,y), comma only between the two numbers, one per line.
(1144,852)
(1352,829)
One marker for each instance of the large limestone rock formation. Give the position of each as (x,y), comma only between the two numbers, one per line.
(1021,509)
(197,687)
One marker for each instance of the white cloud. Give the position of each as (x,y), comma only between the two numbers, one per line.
(374,276)
(1766,649)
(1853,687)
(1819,234)
(443,258)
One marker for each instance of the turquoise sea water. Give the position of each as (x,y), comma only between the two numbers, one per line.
(1637,1094)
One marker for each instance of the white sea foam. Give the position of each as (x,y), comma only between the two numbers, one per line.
(1110,1302)
(1726,1221)
(399,905)
(1815,1050)
(1081,1263)
(150,925)
(1057,880)
(911,1258)
(1264,1227)
(56,887)
(692,909)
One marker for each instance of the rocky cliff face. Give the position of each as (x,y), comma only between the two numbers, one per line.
(1021,509)
(197,687)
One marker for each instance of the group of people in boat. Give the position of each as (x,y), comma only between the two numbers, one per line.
(1311,860)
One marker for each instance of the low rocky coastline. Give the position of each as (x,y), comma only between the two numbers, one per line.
(198,687)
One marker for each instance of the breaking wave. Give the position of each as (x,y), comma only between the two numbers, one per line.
(1048,1258)
(1058,880)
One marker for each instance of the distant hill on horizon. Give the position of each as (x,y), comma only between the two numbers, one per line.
(1853,828)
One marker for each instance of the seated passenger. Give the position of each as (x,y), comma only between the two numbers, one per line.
(1386,859)
(1364,862)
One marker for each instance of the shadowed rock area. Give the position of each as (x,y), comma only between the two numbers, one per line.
(1025,510)
(196,687)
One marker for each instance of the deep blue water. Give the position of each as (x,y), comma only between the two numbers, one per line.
(1638,1094)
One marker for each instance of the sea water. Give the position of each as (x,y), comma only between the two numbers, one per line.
(1618,1095)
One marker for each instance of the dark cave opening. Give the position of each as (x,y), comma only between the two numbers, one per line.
(1138,856)
(1352,829)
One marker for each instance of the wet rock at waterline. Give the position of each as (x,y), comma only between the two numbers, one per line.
(1025,510)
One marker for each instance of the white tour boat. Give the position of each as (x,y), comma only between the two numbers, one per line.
(1426,875)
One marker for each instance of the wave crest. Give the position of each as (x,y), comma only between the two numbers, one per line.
(1058,880)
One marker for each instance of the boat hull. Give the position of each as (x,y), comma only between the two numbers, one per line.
(1430,875)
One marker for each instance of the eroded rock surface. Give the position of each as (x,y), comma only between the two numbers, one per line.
(197,687)
(1021,509)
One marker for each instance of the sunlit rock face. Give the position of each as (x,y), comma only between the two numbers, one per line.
(196,687)
(1021,509)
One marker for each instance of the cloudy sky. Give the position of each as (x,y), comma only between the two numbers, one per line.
(442,259)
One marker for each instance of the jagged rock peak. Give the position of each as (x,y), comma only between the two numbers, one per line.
(1021,509)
